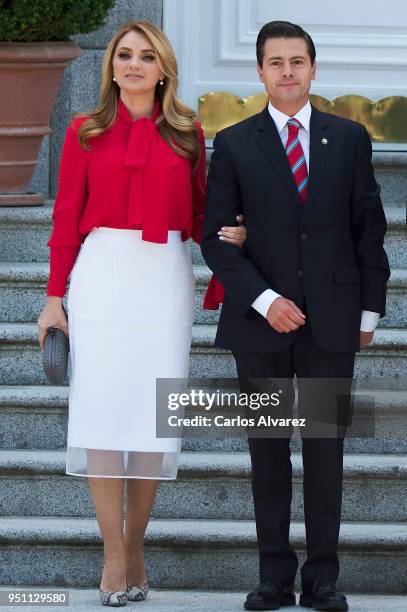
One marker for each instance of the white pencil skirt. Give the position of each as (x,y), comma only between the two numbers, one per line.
(130,315)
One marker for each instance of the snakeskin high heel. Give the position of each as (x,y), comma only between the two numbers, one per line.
(114,599)
(137,593)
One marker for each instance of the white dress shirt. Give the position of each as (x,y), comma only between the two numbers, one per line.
(263,302)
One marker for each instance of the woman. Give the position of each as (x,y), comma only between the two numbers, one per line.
(131,191)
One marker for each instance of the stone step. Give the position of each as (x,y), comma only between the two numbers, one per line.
(34,483)
(24,233)
(390,170)
(23,294)
(382,365)
(68,552)
(87,600)
(35,417)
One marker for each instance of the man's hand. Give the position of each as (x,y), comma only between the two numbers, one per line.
(284,316)
(365,338)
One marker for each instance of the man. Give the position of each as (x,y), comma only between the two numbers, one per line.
(302,297)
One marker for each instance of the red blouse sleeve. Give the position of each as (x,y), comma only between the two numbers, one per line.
(215,293)
(65,240)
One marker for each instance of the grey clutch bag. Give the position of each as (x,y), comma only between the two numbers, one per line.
(55,356)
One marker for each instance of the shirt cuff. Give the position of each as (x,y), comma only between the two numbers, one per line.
(369,321)
(264,301)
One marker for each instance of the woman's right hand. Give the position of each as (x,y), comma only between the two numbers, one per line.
(52,315)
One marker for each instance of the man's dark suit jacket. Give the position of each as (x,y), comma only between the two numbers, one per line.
(329,251)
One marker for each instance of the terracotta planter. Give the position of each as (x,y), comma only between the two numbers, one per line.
(29,78)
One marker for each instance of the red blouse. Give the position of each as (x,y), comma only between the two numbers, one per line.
(130,179)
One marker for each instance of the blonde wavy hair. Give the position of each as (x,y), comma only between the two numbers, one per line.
(176,120)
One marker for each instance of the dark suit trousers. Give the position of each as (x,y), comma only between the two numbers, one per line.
(272,470)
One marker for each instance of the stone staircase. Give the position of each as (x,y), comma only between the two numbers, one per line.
(203,534)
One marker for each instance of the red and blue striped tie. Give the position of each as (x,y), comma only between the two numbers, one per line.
(296,158)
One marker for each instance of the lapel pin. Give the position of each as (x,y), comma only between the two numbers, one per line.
(324,141)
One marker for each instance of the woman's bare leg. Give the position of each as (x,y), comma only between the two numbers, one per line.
(140,499)
(108,500)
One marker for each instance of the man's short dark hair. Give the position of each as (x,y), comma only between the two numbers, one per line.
(282,29)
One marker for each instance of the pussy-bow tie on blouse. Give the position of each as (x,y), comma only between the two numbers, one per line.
(152,162)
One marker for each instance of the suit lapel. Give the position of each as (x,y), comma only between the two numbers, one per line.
(270,143)
(321,140)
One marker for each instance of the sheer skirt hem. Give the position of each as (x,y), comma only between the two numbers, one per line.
(101,463)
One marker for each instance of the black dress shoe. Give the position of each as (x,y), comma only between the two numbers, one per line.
(270,596)
(323,595)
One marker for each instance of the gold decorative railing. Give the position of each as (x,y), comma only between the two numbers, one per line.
(385,120)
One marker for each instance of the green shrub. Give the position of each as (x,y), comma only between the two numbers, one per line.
(42,20)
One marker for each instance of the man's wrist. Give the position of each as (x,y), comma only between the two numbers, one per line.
(369,321)
(264,301)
